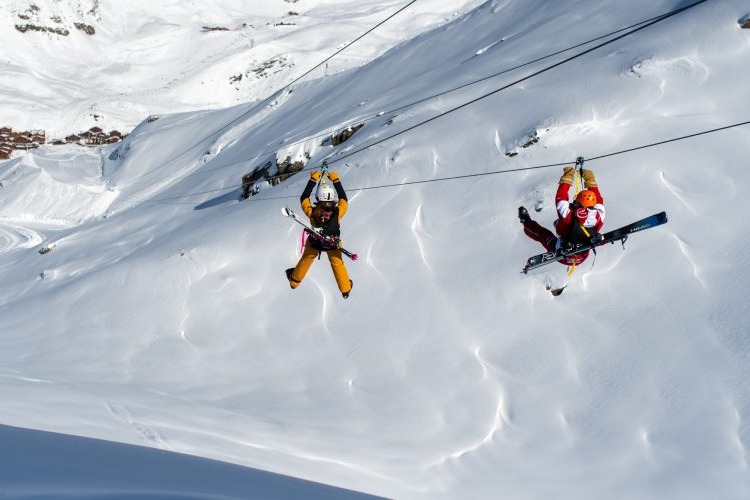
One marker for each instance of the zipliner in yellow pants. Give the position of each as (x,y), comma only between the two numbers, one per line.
(337,265)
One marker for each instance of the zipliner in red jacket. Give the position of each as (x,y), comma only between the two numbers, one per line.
(576,222)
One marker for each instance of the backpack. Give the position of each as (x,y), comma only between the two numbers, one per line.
(578,233)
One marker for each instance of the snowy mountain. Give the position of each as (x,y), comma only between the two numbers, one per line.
(160,316)
(73,64)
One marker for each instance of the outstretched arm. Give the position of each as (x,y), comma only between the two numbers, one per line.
(562,203)
(304,199)
(343,201)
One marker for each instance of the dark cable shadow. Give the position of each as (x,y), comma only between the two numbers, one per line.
(219,200)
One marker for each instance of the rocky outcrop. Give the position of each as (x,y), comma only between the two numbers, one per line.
(32,18)
(345,134)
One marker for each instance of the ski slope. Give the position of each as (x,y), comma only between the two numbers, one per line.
(161,316)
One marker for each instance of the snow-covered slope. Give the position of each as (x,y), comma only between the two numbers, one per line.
(71,64)
(38,464)
(162,316)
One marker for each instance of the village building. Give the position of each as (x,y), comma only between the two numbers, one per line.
(5,151)
(23,142)
(11,140)
(39,136)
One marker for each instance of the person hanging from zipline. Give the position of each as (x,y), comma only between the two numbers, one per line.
(577,222)
(326,215)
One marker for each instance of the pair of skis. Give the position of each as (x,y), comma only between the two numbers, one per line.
(620,234)
(315,232)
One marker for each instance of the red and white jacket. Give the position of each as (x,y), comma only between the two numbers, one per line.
(590,218)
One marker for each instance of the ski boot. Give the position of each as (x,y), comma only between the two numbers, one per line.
(289,277)
(523,215)
(346,294)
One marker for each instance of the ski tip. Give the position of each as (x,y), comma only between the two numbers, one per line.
(355,256)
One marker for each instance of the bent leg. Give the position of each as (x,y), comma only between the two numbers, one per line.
(339,271)
(541,234)
(300,270)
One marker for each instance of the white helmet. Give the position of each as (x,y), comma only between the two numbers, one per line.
(326,192)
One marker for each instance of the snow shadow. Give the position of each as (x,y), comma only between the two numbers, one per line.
(38,463)
(219,200)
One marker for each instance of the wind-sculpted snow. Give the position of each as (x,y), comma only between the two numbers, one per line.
(161,316)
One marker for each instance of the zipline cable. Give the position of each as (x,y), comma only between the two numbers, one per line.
(286,87)
(424,99)
(477,174)
(536,73)
(640,27)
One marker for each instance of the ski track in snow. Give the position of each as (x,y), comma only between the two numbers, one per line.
(684,248)
(496,426)
(370,260)
(323,291)
(148,434)
(497,142)
(500,419)
(677,193)
(13,236)
(419,234)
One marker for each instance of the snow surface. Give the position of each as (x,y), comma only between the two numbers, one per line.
(161,57)
(161,316)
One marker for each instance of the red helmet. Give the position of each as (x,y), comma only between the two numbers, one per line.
(586,198)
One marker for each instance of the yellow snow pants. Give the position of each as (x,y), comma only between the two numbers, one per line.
(337,265)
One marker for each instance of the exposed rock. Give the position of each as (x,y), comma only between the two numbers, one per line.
(285,170)
(270,67)
(248,180)
(530,140)
(23,28)
(345,134)
(86,28)
(33,19)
